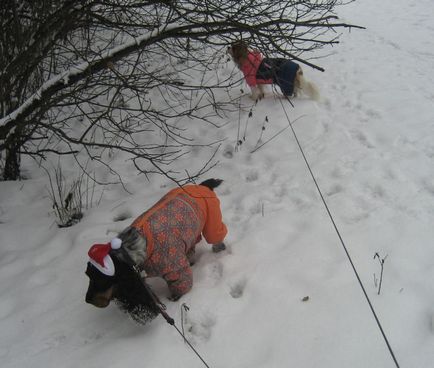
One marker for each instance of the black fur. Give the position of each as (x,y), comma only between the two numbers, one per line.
(129,291)
(98,282)
(211,183)
(130,294)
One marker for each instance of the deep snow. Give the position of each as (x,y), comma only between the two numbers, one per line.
(370,145)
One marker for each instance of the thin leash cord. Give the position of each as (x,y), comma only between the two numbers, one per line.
(171,322)
(162,310)
(191,346)
(340,238)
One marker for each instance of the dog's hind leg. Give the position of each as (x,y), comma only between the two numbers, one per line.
(179,281)
(261,90)
(297,81)
(257,92)
(309,88)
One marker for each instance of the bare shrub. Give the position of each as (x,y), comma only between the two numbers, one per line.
(70,198)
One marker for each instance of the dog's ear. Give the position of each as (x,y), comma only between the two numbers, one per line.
(122,264)
(132,296)
(118,257)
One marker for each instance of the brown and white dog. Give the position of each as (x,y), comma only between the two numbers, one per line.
(161,243)
(259,71)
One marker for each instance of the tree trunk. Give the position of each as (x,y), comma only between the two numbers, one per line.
(12,162)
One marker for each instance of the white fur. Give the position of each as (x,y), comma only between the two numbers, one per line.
(257,92)
(302,85)
(309,88)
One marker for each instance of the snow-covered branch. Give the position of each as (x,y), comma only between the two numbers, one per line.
(105,74)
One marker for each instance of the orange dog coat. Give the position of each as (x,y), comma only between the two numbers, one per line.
(172,228)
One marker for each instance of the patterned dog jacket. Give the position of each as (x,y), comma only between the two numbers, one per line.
(172,228)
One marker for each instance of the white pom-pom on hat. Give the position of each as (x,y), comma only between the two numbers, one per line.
(116,243)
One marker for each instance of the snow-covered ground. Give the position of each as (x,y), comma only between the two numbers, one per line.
(370,143)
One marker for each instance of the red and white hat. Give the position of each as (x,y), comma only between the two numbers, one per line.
(100,258)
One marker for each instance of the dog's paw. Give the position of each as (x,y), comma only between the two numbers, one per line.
(174,298)
(257,94)
(257,97)
(218,247)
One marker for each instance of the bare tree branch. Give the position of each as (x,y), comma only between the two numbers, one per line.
(117,75)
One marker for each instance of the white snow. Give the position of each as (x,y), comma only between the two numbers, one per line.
(370,143)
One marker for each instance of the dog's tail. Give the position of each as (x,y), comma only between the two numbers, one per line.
(309,88)
(211,183)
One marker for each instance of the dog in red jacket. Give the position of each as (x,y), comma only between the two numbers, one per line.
(259,71)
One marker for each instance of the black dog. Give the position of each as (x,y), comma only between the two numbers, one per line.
(156,245)
(126,286)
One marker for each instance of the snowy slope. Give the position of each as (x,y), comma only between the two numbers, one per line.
(370,146)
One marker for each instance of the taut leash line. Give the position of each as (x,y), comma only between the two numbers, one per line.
(341,239)
(171,322)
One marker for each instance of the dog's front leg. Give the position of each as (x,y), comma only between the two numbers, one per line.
(257,92)
(261,90)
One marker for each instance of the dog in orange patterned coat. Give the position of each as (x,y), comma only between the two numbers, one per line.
(161,243)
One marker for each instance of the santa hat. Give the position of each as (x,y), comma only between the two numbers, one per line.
(100,258)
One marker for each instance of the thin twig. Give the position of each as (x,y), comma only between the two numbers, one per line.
(277,134)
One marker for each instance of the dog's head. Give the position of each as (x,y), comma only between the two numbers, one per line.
(101,288)
(103,271)
(111,277)
(238,50)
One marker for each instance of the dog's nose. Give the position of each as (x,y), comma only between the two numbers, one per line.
(98,302)
(97,299)
(88,298)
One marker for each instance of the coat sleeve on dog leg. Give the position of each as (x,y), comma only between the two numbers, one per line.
(214,230)
(179,282)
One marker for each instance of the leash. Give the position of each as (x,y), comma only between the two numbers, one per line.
(158,304)
(161,307)
(340,238)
